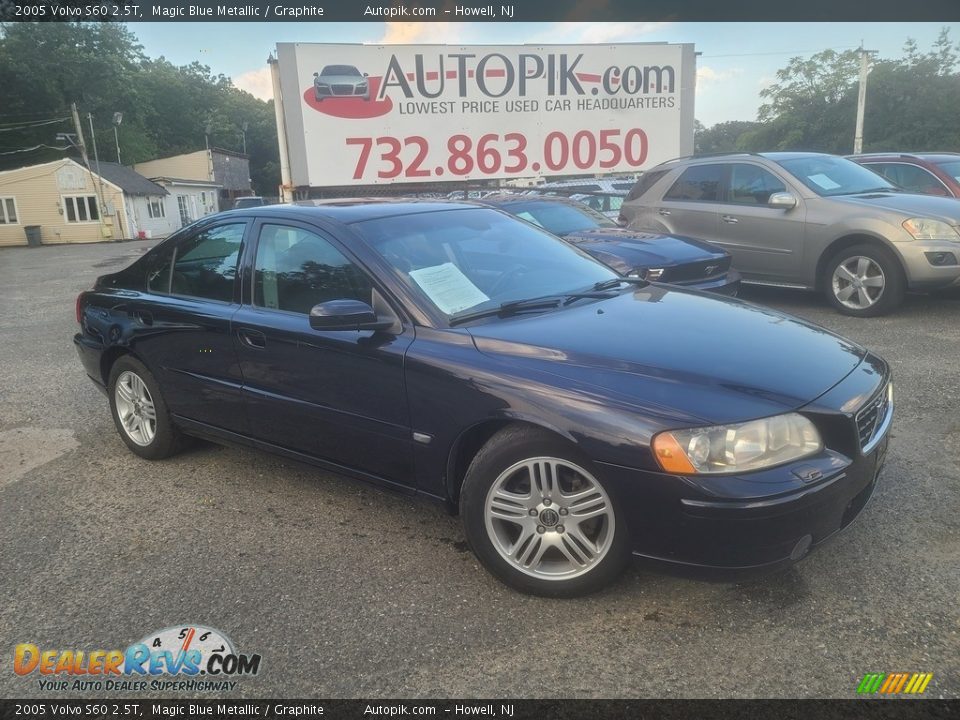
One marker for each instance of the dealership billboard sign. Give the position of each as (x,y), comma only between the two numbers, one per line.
(365,114)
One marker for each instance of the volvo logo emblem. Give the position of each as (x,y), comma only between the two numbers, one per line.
(549,517)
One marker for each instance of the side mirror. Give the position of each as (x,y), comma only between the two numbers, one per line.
(316,74)
(782,200)
(346,315)
(365,74)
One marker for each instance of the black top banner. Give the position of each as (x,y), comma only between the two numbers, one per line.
(480,10)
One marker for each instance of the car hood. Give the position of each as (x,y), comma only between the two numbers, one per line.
(930,206)
(716,360)
(640,249)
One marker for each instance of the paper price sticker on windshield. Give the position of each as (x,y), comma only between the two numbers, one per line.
(448,288)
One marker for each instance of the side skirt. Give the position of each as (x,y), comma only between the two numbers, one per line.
(226,437)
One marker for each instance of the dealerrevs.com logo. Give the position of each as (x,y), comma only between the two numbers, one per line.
(186,658)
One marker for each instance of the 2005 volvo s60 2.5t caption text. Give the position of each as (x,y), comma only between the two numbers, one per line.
(573,416)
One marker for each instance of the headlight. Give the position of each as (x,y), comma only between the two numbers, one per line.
(926,229)
(737,448)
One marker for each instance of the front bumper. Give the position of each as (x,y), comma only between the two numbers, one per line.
(921,273)
(325,91)
(763,520)
(727,284)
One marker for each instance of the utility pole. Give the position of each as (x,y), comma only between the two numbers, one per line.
(96,159)
(117,119)
(865,68)
(79,128)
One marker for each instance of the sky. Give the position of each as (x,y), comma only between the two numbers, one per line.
(738,59)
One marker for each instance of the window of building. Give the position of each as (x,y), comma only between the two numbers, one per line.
(297,269)
(82,208)
(8,211)
(183,204)
(155,208)
(206,263)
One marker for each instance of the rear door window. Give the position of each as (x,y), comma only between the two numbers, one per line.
(206,263)
(646,181)
(698,183)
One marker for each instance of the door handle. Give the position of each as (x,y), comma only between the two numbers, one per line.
(729,219)
(663,211)
(253,338)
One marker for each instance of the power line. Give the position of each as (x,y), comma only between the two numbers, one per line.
(35,147)
(785,52)
(33,125)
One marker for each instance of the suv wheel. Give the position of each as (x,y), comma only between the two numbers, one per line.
(864,281)
(539,518)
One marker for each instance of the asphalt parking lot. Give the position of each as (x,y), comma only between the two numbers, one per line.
(349,591)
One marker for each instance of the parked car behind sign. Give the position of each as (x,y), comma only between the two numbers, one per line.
(926,173)
(807,220)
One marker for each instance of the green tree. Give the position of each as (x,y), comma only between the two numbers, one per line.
(47,66)
(912,103)
(166,109)
(724,137)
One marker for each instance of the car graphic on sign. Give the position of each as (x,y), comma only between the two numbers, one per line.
(340,81)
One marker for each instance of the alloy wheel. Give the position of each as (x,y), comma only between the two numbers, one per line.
(549,518)
(858,282)
(135,408)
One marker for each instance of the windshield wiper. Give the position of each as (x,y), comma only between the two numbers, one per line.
(617,282)
(537,303)
(873,190)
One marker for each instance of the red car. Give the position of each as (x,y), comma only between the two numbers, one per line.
(925,173)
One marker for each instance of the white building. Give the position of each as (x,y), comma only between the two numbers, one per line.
(185,201)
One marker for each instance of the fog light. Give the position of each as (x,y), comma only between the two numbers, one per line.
(941,258)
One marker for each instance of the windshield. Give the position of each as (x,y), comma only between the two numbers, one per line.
(473,259)
(952,168)
(828,176)
(340,70)
(558,217)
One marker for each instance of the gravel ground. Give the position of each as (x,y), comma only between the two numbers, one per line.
(349,591)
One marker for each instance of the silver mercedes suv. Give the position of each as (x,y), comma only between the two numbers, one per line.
(806,220)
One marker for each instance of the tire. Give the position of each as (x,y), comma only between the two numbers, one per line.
(135,395)
(523,470)
(881,281)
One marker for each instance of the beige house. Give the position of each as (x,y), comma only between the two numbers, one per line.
(65,200)
(228,170)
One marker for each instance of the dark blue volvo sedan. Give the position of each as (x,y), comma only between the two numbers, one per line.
(571,415)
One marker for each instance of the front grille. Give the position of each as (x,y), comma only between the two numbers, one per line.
(696,271)
(871,416)
(342,89)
